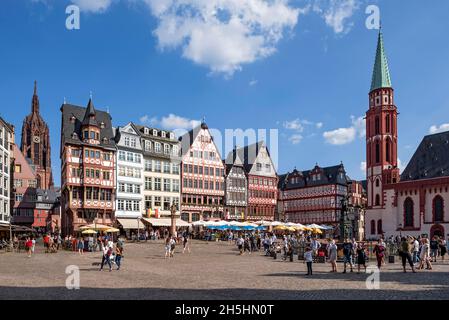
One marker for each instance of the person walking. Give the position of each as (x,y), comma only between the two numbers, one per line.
(118,255)
(425,255)
(240,242)
(379,251)
(332,254)
(361,257)
(404,253)
(415,244)
(246,245)
(28,245)
(172,246)
(434,246)
(80,246)
(308,259)
(167,248)
(186,242)
(107,252)
(348,253)
(33,241)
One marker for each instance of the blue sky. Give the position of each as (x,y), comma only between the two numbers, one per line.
(303,67)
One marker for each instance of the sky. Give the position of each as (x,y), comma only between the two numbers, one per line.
(301,67)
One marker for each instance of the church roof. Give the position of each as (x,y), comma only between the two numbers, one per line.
(381,73)
(78,113)
(431,159)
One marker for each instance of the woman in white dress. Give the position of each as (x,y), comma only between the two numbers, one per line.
(332,254)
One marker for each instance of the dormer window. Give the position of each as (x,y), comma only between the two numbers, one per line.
(163,134)
(172,135)
(146,131)
(72,119)
(155,133)
(105,140)
(86,134)
(74,135)
(102,125)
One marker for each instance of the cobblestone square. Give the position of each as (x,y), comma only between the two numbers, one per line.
(211,271)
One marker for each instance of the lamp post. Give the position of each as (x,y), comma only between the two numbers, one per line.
(11,244)
(400,230)
(138,230)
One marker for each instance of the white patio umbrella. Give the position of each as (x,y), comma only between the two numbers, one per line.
(315,226)
(277,223)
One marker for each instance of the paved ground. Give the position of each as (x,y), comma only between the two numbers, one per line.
(211,271)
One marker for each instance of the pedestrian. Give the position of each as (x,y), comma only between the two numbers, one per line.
(361,257)
(379,250)
(434,246)
(80,246)
(28,245)
(424,255)
(308,259)
(172,246)
(404,252)
(118,255)
(443,248)
(107,252)
(316,245)
(246,245)
(415,244)
(46,241)
(332,254)
(348,253)
(186,242)
(240,242)
(33,241)
(167,248)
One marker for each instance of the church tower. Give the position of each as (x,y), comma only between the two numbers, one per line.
(35,144)
(381,131)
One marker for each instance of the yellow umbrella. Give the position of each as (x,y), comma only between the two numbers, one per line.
(280,228)
(307,229)
(89,231)
(112,230)
(317,231)
(291,229)
(97,226)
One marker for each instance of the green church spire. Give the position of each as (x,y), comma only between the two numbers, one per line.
(381,73)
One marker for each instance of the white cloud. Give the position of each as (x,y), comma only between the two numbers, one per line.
(148,121)
(363,166)
(336,13)
(253,82)
(438,129)
(294,125)
(172,122)
(319,125)
(344,136)
(95,6)
(295,139)
(340,136)
(223,34)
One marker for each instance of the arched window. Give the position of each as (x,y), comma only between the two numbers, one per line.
(438,209)
(369,154)
(387,151)
(377,200)
(392,123)
(377,182)
(408,213)
(379,227)
(377,152)
(373,227)
(377,126)
(387,122)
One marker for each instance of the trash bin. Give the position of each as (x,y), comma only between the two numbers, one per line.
(391,259)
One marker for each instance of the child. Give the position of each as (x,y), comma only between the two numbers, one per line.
(308,259)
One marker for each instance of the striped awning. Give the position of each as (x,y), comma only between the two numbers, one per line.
(166,222)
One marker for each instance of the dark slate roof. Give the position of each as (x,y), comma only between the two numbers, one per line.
(282,181)
(69,127)
(249,154)
(141,131)
(364,185)
(48,196)
(329,175)
(431,159)
(189,137)
(90,115)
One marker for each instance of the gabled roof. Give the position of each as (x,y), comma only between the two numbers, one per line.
(69,127)
(381,72)
(431,159)
(233,159)
(189,137)
(329,175)
(249,154)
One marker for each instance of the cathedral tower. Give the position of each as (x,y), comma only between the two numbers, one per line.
(35,144)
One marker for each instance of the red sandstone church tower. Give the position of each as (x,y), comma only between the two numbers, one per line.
(381,132)
(35,144)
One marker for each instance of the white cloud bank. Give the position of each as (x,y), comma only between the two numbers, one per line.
(336,13)
(94,6)
(344,136)
(170,122)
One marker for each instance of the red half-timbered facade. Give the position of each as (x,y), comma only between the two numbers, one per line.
(87,167)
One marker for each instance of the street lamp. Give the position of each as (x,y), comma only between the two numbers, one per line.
(173,210)
(400,230)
